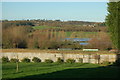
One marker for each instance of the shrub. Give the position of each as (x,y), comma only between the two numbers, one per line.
(80,60)
(14,60)
(5,59)
(106,63)
(70,61)
(59,60)
(117,63)
(25,60)
(36,59)
(48,61)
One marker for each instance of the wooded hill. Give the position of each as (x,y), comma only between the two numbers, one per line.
(59,25)
(48,34)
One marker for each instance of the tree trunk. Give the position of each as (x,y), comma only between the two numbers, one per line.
(17,65)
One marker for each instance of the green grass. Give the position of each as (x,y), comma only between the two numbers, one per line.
(45,27)
(68,34)
(55,70)
(84,34)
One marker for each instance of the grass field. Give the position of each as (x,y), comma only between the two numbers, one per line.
(45,27)
(70,33)
(84,34)
(55,70)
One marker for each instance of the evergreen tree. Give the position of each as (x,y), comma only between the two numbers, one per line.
(113,23)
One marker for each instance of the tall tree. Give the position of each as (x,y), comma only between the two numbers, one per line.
(113,22)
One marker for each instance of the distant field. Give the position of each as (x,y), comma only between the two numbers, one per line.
(54,70)
(84,34)
(70,33)
(45,27)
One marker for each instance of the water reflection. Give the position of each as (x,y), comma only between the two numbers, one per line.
(83,41)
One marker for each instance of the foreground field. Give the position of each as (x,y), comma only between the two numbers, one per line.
(55,70)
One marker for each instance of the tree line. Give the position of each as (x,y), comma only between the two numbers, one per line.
(27,37)
(113,23)
(62,25)
(20,34)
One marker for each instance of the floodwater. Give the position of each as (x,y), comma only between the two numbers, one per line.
(83,41)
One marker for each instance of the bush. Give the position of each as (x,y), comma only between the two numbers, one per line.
(48,61)
(14,60)
(106,63)
(70,61)
(80,60)
(5,59)
(36,59)
(117,63)
(26,60)
(59,60)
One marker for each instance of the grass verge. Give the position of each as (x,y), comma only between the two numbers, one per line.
(55,70)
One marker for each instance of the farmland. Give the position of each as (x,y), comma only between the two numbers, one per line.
(60,40)
(71,34)
(56,70)
(45,27)
(51,34)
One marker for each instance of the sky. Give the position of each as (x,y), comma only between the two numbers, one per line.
(80,11)
(56,0)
